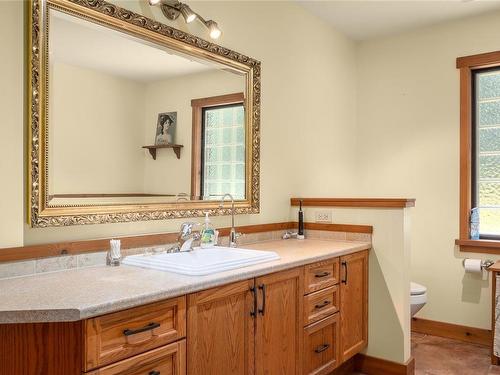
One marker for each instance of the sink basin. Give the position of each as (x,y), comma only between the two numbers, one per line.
(201,262)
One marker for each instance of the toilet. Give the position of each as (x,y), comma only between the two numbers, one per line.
(418,297)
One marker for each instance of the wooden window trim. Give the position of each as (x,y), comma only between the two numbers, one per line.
(197,107)
(466,65)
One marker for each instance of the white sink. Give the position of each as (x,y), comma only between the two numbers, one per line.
(201,262)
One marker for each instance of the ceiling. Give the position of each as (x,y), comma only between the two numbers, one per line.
(84,44)
(368,19)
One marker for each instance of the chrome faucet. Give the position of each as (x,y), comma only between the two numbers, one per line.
(185,238)
(233,235)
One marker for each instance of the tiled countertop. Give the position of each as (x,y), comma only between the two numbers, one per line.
(83,293)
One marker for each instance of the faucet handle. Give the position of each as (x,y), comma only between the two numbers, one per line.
(187,229)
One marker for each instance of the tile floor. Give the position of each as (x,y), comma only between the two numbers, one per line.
(441,356)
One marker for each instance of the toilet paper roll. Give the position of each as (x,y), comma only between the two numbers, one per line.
(473,265)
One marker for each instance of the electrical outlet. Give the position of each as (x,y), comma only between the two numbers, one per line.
(323,216)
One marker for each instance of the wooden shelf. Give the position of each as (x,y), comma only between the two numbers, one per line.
(152,149)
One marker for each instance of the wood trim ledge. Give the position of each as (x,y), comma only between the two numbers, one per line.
(88,246)
(452,331)
(355,202)
(479,246)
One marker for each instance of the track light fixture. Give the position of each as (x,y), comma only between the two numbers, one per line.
(173,8)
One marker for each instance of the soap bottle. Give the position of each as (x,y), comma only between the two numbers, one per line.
(207,234)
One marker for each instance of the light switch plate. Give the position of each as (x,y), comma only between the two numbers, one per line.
(323,216)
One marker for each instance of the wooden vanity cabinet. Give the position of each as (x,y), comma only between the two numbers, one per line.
(249,327)
(123,334)
(221,330)
(305,320)
(167,360)
(353,304)
(321,346)
(278,333)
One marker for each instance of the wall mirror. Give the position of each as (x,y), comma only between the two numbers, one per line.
(131,119)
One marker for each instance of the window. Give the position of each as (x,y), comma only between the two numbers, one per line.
(480,150)
(223,151)
(486,150)
(219,152)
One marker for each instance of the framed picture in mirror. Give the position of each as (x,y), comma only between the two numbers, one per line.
(165,128)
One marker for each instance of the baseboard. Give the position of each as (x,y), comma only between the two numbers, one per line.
(377,366)
(452,331)
(346,368)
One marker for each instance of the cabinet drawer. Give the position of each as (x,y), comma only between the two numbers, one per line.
(321,346)
(321,275)
(167,360)
(110,338)
(319,305)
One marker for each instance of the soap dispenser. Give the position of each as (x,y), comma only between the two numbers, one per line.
(208,236)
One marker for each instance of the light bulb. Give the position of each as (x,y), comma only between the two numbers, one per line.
(187,13)
(154,2)
(214,30)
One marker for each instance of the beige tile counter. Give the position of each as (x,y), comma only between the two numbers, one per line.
(83,293)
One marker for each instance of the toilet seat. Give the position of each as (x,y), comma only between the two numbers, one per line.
(417,289)
(418,297)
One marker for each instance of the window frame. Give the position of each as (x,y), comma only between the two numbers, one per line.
(468,66)
(474,139)
(198,105)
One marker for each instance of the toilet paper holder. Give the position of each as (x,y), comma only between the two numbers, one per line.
(485,264)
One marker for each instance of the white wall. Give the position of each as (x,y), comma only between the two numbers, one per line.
(408,132)
(308,103)
(11,141)
(96,132)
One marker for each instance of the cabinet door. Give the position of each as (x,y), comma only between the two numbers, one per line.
(354,303)
(278,336)
(221,330)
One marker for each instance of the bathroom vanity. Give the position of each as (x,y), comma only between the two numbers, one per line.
(303,314)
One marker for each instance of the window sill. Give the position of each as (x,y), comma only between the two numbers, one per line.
(479,246)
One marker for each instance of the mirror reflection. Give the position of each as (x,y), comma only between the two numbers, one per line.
(146,124)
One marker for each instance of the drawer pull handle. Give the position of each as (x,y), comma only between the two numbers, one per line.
(344,264)
(149,327)
(262,310)
(322,348)
(254,292)
(154,372)
(320,306)
(322,274)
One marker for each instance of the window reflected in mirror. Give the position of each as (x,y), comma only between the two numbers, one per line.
(223,151)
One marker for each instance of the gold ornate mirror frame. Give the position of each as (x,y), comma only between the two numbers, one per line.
(41,214)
